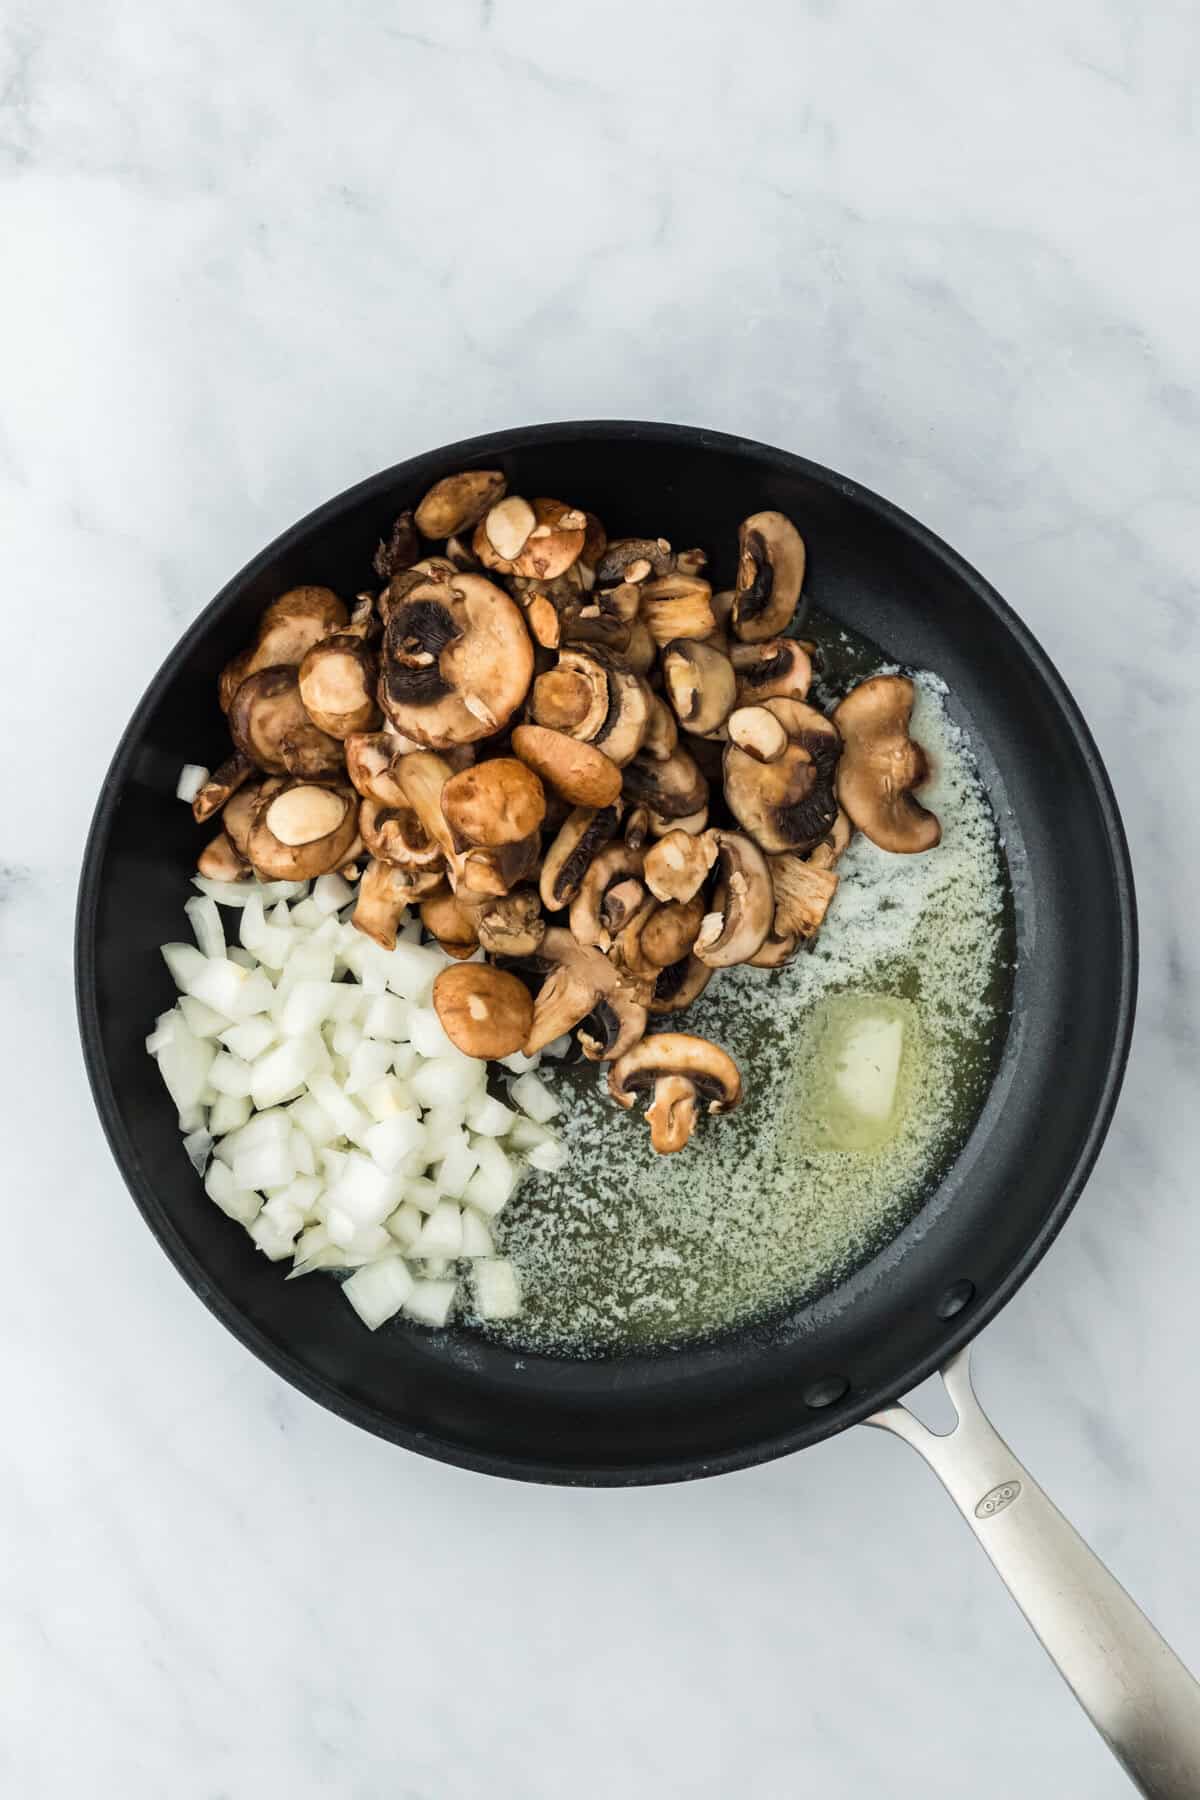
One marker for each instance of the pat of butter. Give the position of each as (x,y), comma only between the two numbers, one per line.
(866,1072)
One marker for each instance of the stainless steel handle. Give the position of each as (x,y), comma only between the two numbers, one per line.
(1132,1686)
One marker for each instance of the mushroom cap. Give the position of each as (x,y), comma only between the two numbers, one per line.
(337,685)
(500,801)
(622,554)
(238,815)
(383,898)
(581,983)
(453,924)
(669,933)
(673,787)
(593,698)
(398,550)
(221,861)
(788,804)
(684,1072)
(457,659)
(512,924)
(287,631)
(700,682)
(802,895)
(757,731)
(677,865)
(680,984)
(584,831)
(777,668)
(485,1012)
(662,731)
(270,727)
(221,785)
(369,759)
(582,774)
(302,829)
(540,541)
(395,834)
(457,502)
(639,652)
(677,606)
(743,904)
(882,764)
(770,575)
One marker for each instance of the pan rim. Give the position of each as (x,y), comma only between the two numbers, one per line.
(863,1402)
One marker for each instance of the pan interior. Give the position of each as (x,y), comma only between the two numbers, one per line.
(815,1366)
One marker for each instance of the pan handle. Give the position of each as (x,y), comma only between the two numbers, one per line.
(1138,1695)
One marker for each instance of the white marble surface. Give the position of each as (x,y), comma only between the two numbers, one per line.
(251,254)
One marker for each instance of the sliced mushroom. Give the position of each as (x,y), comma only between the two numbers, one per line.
(668,934)
(788,804)
(769,578)
(287,631)
(541,541)
(398,550)
(221,784)
(743,903)
(457,502)
(271,728)
(369,759)
(662,732)
(457,658)
(454,925)
(802,895)
(485,1012)
(512,924)
(395,834)
(580,773)
(337,685)
(220,861)
(693,824)
(460,553)
(595,700)
(672,788)
(678,985)
(494,813)
(422,776)
(882,765)
(639,652)
(758,732)
(384,895)
(582,984)
(582,834)
(684,1073)
(302,829)
(701,684)
(238,815)
(677,866)
(677,606)
(780,668)
(623,555)
(636,829)
(610,893)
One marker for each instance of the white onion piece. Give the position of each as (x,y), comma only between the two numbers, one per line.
(277,1074)
(164,1031)
(206,924)
(448,1080)
(303,1154)
(231,989)
(184,962)
(198,1145)
(230,1075)
(306,915)
(305,1194)
(457,1165)
(497,1292)
(275,1240)
(369,1060)
(559,1047)
(442,1232)
(390,1140)
(303,1006)
(518,1063)
(386,1096)
(242,1204)
(264,1166)
(493,1181)
(489,1117)
(426,1034)
(525,1134)
(192,778)
(228,1114)
(184,1063)
(238,893)
(364,1192)
(379,1291)
(421,1193)
(476,1235)
(405,1059)
(350,1119)
(534,1097)
(405,1225)
(549,1157)
(203,1021)
(330,892)
(430,1302)
(313,1121)
(249,1039)
(435,1268)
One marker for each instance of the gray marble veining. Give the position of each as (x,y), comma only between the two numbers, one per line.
(252,254)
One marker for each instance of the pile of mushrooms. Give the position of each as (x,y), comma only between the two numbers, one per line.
(568,753)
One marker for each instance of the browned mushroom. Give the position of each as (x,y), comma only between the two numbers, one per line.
(337,685)
(677,866)
(662,731)
(677,606)
(582,775)
(485,1012)
(287,631)
(743,903)
(684,1073)
(757,731)
(398,550)
(238,815)
(803,889)
(302,829)
(511,924)
(769,578)
(779,668)
(701,684)
(594,699)
(584,831)
(680,984)
(221,784)
(395,834)
(453,924)
(271,728)
(787,804)
(220,861)
(457,659)
(582,984)
(494,812)
(610,893)
(457,502)
(369,759)
(541,540)
(639,652)
(384,895)
(668,934)
(622,559)
(673,789)
(882,765)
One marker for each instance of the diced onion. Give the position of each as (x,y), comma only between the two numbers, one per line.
(497,1293)
(192,778)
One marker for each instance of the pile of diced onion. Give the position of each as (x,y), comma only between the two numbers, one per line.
(328,1112)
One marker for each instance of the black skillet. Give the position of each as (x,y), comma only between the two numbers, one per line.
(760,1392)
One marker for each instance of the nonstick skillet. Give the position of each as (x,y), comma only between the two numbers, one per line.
(841,1359)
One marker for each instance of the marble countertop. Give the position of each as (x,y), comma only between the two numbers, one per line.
(253,254)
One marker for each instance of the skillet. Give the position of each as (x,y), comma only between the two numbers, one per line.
(764,1390)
